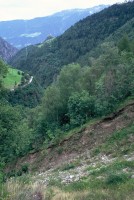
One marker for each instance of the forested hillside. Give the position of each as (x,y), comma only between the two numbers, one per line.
(85,115)
(45,61)
(78,93)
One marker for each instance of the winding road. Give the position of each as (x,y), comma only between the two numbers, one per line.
(29,82)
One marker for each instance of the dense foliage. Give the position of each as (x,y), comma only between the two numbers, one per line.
(29,96)
(15,135)
(78,93)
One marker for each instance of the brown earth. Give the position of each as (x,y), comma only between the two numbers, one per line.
(81,142)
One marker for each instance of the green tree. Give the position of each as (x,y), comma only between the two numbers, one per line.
(124,44)
(68,81)
(51,104)
(80,108)
(15,135)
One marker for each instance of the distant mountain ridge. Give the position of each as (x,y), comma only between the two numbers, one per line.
(7,51)
(46,60)
(21,33)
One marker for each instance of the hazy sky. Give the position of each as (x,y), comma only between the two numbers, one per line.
(27,9)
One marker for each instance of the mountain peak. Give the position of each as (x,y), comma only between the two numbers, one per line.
(7,51)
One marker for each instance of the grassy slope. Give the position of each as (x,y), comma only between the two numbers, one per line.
(12,78)
(104,171)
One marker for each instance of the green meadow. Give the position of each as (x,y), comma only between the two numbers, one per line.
(12,78)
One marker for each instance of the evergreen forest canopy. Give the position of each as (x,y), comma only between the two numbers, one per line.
(93,87)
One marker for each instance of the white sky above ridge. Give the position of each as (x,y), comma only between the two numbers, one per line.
(28,9)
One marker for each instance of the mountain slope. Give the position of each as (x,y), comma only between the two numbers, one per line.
(126,29)
(82,140)
(21,33)
(93,162)
(113,39)
(78,143)
(46,60)
(7,51)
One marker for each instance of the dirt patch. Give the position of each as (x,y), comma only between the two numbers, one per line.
(81,142)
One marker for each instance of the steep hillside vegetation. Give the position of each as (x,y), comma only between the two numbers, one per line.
(125,31)
(46,61)
(78,142)
(92,162)
(91,138)
(7,51)
(34,31)
(82,94)
(78,94)
(27,94)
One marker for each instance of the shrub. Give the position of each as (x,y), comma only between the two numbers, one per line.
(24,168)
(114,179)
